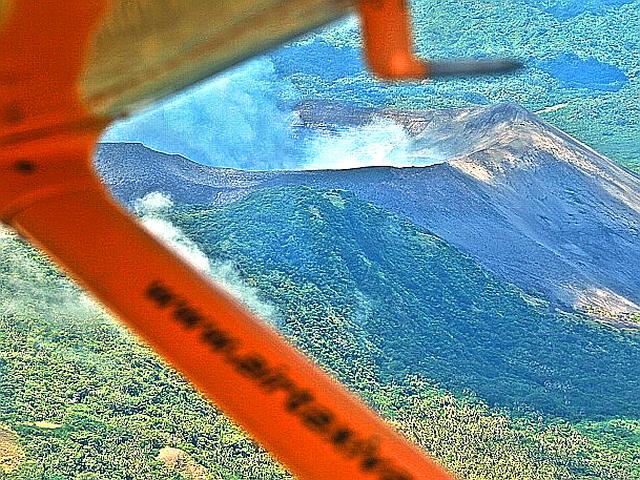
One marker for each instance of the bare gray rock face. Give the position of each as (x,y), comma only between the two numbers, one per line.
(529,202)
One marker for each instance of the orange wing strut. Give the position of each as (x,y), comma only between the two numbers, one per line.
(50,194)
(388,44)
(388,41)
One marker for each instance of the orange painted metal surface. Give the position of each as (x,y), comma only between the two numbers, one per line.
(388,41)
(49,193)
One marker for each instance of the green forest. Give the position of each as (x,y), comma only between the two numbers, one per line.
(494,383)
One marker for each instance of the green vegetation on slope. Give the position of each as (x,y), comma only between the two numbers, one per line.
(426,305)
(112,406)
(620,439)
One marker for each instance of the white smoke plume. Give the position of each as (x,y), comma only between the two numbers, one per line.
(237,119)
(380,143)
(153,208)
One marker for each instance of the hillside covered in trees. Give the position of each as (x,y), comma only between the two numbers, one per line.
(491,381)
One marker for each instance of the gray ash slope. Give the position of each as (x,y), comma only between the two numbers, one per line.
(529,202)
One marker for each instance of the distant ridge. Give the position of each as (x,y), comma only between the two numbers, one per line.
(528,201)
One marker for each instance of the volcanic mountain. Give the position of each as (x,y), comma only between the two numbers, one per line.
(527,201)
